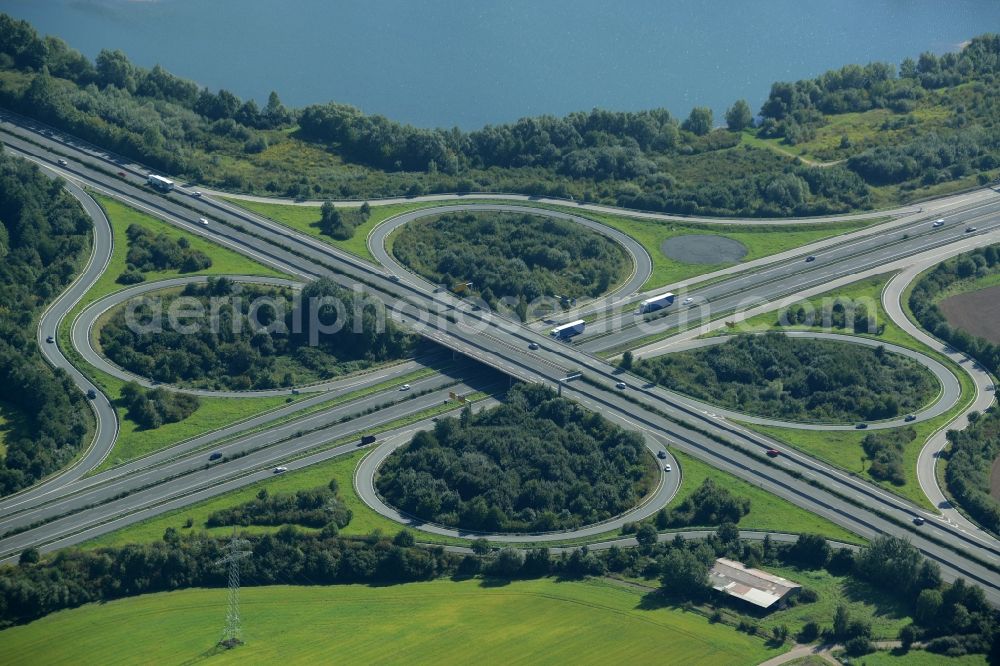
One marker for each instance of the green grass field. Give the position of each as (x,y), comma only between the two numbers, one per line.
(440,622)
(224,260)
(843,447)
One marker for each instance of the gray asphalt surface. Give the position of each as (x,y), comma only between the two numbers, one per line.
(791,276)
(951,389)
(703,249)
(502,345)
(101,508)
(643,265)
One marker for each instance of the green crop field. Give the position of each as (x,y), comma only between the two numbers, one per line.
(440,622)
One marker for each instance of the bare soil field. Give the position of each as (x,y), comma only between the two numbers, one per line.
(977,312)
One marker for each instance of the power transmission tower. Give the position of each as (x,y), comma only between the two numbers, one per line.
(236,551)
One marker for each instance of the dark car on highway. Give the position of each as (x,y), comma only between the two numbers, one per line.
(810,258)
(215,455)
(774,453)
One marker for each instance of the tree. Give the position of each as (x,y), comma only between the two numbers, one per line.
(684,574)
(508,563)
(646,535)
(699,122)
(810,550)
(627,360)
(404,538)
(480,546)
(927,607)
(841,620)
(28,556)
(114,69)
(907,635)
(739,116)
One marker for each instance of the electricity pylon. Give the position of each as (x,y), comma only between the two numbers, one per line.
(236,551)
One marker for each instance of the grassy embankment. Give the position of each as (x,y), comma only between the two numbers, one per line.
(843,447)
(882,127)
(438,621)
(213,413)
(760,240)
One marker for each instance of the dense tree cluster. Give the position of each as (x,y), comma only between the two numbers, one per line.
(43,238)
(536,463)
(885,449)
(340,224)
(253,336)
(955,619)
(842,315)
(927,292)
(518,256)
(970,460)
(317,507)
(155,407)
(709,505)
(877,86)
(777,376)
(73,577)
(151,251)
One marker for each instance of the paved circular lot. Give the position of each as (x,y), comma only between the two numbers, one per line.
(703,249)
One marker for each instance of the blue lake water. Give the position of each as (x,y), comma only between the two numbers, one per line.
(471,62)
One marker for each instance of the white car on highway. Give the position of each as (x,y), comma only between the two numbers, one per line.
(688,301)
(938,223)
(280,469)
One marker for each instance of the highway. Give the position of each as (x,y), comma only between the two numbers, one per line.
(503,344)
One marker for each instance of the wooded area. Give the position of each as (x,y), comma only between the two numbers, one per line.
(970,461)
(509,255)
(150,251)
(775,376)
(533,464)
(269,349)
(44,236)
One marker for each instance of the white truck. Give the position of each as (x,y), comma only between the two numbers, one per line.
(160,183)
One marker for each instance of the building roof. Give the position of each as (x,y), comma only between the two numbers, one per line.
(751,585)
